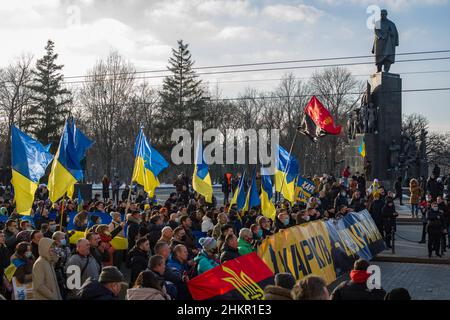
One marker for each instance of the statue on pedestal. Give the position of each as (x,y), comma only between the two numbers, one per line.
(386,39)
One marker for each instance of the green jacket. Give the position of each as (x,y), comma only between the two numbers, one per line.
(244,247)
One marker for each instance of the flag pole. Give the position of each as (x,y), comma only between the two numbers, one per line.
(131,182)
(62,212)
(287,167)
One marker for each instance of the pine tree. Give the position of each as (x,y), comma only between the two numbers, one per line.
(181,96)
(49,101)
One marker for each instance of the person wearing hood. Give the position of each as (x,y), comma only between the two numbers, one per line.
(284,282)
(147,287)
(207,258)
(245,242)
(63,252)
(108,286)
(415,194)
(356,288)
(230,249)
(45,282)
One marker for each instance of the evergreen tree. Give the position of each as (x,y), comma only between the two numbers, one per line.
(50,101)
(181,96)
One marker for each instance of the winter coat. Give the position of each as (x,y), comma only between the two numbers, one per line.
(435,223)
(415,192)
(350,290)
(94,290)
(45,283)
(388,217)
(244,247)
(138,261)
(204,262)
(340,200)
(357,205)
(228,253)
(146,294)
(133,230)
(277,293)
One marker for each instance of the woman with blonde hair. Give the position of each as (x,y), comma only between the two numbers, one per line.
(415,194)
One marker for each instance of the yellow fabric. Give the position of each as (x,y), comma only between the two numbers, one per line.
(10,271)
(70,191)
(59,181)
(267,206)
(118,243)
(24,190)
(286,189)
(203,187)
(144,177)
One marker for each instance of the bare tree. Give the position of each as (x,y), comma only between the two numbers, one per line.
(107,96)
(14,97)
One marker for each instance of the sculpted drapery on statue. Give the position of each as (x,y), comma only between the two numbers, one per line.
(386,39)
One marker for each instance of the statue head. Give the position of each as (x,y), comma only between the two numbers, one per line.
(384,14)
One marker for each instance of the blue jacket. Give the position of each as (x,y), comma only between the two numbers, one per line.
(204,263)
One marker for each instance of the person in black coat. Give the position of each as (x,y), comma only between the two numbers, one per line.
(361,184)
(398,190)
(356,288)
(433,187)
(138,259)
(155,227)
(376,211)
(435,227)
(230,249)
(4,260)
(133,222)
(341,199)
(357,203)
(388,213)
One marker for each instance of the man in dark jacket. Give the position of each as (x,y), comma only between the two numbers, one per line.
(376,212)
(433,186)
(99,254)
(283,220)
(133,221)
(357,203)
(36,236)
(341,199)
(230,249)
(186,223)
(11,230)
(356,288)
(155,227)
(435,228)
(107,287)
(138,259)
(389,215)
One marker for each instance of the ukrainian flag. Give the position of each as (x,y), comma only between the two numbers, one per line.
(285,174)
(267,206)
(201,180)
(362,148)
(252,199)
(29,162)
(66,167)
(148,164)
(239,197)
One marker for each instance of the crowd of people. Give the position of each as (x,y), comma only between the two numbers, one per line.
(171,242)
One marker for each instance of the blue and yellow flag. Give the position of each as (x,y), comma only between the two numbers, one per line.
(80,202)
(148,164)
(29,161)
(267,206)
(66,167)
(252,198)
(362,148)
(239,196)
(201,180)
(304,188)
(285,174)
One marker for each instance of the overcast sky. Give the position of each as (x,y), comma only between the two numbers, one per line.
(229,32)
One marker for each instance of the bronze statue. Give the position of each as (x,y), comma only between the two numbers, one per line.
(386,39)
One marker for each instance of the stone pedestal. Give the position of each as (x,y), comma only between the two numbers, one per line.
(386,94)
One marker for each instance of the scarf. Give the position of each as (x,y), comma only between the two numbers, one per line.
(359,276)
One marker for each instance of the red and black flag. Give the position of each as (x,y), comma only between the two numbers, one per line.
(317,121)
(243,278)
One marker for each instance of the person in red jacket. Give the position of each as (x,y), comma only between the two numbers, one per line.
(345,175)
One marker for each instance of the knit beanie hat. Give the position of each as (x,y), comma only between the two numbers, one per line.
(110,274)
(285,280)
(208,243)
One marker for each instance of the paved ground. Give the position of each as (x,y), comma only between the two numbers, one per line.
(423,281)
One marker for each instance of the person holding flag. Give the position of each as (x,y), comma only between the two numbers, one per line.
(286,174)
(66,167)
(267,206)
(201,180)
(148,164)
(29,161)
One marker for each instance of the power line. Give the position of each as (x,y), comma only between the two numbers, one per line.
(303,95)
(268,63)
(274,69)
